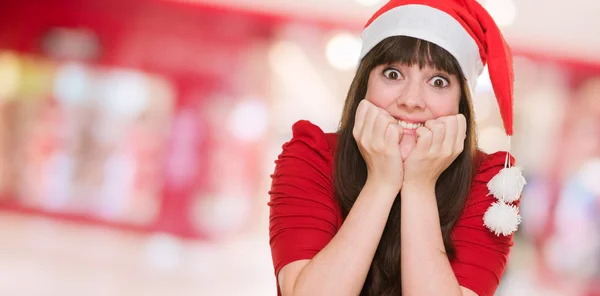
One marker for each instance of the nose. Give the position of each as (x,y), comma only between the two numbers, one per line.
(412,96)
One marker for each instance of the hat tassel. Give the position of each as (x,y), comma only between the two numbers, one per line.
(503,217)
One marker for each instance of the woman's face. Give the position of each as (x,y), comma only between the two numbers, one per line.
(413,96)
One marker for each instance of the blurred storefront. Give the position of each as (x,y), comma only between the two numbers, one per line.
(145,115)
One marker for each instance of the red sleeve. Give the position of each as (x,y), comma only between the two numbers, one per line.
(480,255)
(303,211)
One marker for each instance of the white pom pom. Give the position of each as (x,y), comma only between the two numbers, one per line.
(502,218)
(508,184)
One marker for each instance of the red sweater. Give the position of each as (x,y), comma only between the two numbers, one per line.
(304,214)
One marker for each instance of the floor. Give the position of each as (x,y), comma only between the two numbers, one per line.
(46,257)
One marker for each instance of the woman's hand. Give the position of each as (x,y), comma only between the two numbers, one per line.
(378,136)
(439,142)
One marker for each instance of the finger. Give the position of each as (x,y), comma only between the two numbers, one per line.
(359,119)
(393,135)
(449,144)
(378,132)
(437,129)
(424,137)
(400,131)
(461,132)
(369,123)
(383,120)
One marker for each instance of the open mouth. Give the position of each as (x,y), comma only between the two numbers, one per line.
(409,125)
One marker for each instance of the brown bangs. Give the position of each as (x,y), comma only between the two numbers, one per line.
(412,51)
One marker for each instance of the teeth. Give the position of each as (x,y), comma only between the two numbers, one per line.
(409,125)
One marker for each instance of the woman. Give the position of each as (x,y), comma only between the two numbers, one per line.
(399,200)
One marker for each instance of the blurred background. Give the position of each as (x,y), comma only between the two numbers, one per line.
(137,138)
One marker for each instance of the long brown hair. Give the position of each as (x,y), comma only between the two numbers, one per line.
(350,172)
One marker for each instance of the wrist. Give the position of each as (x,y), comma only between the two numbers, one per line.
(411,185)
(382,188)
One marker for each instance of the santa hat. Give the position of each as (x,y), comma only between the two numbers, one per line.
(467,31)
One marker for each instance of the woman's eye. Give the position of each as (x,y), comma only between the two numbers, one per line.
(392,74)
(439,82)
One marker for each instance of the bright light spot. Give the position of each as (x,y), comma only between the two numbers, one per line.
(368,2)
(589,175)
(483,106)
(125,93)
(249,120)
(163,252)
(72,83)
(343,51)
(493,139)
(504,12)
(224,214)
(306,98)
(10,75)
(484,84)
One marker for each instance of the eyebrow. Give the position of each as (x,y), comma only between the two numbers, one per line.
(435,69)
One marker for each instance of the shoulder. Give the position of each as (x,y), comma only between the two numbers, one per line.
(306,159)
(488,165)
(309,139)
(303,170)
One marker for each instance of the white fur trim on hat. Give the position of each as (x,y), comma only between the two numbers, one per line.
(430,24)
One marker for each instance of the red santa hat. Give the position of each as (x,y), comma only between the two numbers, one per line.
(468,32)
